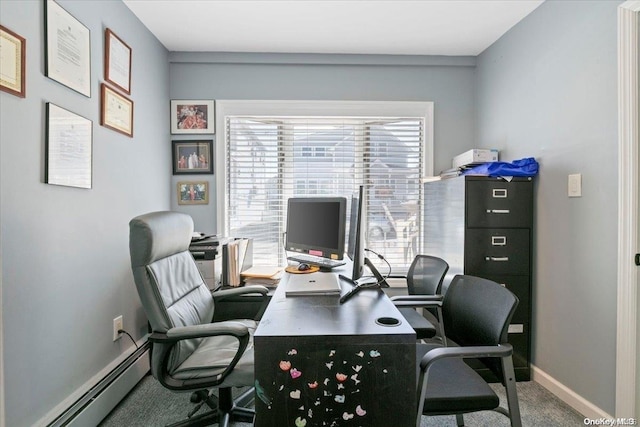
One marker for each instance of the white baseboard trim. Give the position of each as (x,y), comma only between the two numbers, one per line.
(568,396)
(58,411)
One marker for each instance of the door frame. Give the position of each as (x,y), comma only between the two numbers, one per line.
(627,298)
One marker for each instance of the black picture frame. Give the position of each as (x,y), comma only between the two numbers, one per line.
(68,49)
(192,157)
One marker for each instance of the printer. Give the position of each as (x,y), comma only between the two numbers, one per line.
(205,251)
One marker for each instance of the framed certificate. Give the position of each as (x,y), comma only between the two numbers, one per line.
(12,62)
(116,111)
(117,61)
(68,158)
(68,52)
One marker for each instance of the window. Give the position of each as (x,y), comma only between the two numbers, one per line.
(270,158)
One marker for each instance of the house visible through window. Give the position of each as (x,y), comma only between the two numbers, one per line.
(270,159)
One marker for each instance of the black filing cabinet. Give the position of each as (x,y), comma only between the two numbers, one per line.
(483,226)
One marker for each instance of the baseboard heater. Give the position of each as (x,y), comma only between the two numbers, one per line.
(94,405)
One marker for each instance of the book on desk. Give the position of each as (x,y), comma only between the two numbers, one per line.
(237,256)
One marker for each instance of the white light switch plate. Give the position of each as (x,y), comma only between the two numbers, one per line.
(575,185)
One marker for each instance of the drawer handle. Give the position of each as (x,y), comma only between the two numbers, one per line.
(498,240)
(497,258)
(498,211)
(517,328)
(500,193)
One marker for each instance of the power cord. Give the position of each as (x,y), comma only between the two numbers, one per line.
(384,279)
(122,331)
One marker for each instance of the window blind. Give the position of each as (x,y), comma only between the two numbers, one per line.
(270,159)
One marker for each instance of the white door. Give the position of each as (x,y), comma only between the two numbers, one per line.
(637,256)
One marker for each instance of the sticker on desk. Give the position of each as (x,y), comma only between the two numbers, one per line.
(336,382)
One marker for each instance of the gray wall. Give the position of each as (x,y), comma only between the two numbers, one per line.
(548,89)
(448,82)
(65,256)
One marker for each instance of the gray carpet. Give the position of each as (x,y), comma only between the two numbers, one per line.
(150,405)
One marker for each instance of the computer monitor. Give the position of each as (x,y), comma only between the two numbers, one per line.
(356,248)
(316,226)
(356,241)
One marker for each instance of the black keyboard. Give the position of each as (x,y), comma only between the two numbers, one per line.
(318,261)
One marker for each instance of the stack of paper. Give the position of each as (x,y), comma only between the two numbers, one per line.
(262,275)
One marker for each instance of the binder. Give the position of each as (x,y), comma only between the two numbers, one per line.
(237,256)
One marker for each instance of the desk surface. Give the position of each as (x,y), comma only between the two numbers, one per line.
(324,315)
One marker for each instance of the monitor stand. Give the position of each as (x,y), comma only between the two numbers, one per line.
(380,282)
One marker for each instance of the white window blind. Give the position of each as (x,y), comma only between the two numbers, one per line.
(270,159)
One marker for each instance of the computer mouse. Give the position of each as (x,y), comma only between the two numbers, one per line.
(303,267)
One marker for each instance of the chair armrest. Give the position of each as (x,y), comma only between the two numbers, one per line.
(243,290)
(432,355)
(177,334)
(180,333)
(417,300)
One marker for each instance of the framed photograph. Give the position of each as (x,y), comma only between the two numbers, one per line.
(189,116)
(68,51)
(116,111)
(117,61)
(69,141)
(192,157)
(193,193)
(12,62)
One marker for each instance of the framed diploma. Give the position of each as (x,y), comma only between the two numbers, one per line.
(68,51)
(68,158)
(117,61)
(12,62)
(116,111)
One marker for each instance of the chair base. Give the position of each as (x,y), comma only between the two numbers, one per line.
(228,410)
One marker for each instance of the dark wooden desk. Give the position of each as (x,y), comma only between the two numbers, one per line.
(320,363)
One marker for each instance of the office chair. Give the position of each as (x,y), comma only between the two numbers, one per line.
(476,315)
(189,352)
(424,284)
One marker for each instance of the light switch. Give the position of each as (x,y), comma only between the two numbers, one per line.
(575,185)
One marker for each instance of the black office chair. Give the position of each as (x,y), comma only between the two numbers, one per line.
(424,284)
(189,352)
(476,316)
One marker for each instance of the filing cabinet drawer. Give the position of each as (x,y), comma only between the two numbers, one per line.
(497,252)
(499,204)
(521,288)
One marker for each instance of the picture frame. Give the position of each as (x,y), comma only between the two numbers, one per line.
(193,193)
(117,61)
(116,111)
(13,49)
(68,49)
(192,116)
(192,157)
(68,149)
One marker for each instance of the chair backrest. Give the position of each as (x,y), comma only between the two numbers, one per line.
(477,311)
(426,274)
(169,283)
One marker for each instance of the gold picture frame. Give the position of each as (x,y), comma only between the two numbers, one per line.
(13,48)
(193,193)
(116,111)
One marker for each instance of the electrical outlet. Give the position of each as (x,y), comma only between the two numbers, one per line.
(117,325)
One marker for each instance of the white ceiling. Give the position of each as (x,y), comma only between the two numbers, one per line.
(418,27)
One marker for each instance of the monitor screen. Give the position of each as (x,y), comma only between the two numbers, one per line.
(316,226)
(356,243)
